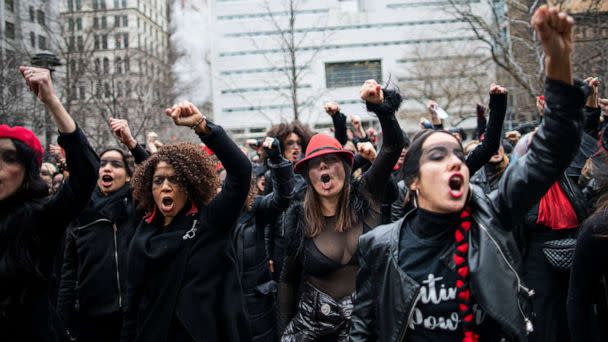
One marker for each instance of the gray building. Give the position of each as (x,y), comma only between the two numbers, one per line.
(330,47)
(117,64)
(26,30)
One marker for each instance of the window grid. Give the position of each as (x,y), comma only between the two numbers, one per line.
(351,74)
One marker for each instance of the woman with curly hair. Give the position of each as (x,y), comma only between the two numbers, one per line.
(32,223)
(318,278)
(183,283)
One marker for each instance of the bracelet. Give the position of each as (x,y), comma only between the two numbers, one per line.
(198,123)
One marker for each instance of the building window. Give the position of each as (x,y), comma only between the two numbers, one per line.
(97,42)
(104,22)
(42,42)
(78,5)
(70,24)
(118,89)
(116,3)
(104,41)
(9,5)
(125,20)
(97,65)
(83,94)
(98,89)
(125,40)
(106,88)
(71,43)
(73,66)
(102,4)
(127,88)
(106,65)
(95,4)
(40,17)
(70,6)
(116,21)
(95,23)
(126,63)
(118,65)
(9,30)
(124,3)
(32,15)
(79,24)
(80,43)
(351,74)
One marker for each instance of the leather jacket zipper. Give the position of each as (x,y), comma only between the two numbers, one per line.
(529,327)
(117,272)
(410,315)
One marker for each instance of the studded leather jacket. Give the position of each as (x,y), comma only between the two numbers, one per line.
(386,296)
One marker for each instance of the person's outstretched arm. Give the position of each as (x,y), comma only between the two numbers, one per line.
(491,142)
(558,138)
(384,103)
(268,207)
(121,129)
(226,206)
(81,159)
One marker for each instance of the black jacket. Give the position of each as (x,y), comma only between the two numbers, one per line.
(183,278)
(386,296)
(249,240)
(30,233)
(94,268)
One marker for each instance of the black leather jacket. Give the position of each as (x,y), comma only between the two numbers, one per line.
(386,296)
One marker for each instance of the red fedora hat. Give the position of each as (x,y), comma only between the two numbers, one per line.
(322,144)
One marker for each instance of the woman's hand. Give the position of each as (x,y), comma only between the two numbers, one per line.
(371,92)
(554,29)
(496,89)
(186,114)
(121,129)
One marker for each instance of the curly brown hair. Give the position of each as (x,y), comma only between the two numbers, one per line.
(194,169)
(283,130)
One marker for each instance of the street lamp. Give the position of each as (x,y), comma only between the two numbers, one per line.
(47,60)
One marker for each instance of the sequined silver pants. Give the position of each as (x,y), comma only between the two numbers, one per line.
(318,315)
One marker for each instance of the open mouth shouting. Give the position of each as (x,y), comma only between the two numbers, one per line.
(326,182)
(456,184)
(167,204)
(107,181)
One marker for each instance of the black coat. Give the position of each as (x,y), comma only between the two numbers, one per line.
(258,286)
(386,296)
(30,233)
(94,268)
(183,278)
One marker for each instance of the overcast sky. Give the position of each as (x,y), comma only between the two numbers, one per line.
(190,24)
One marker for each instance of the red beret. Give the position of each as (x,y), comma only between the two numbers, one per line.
(25,136)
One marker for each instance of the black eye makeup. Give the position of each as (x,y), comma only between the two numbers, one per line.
(439,152)
(114,163)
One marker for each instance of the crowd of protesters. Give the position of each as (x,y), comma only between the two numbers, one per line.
(359,235)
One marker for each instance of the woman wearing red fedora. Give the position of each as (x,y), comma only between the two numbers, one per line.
(322,230)
(32,224)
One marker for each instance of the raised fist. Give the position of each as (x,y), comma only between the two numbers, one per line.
(186,114)
(39,81)
(367,151)
(371,92)
(331,108)
(496,89)
(120,128)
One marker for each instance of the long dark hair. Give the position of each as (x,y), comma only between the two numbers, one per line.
(345,215)
(600,175)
